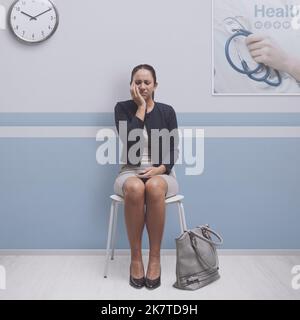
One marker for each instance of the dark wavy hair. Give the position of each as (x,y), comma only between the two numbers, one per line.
(147,67)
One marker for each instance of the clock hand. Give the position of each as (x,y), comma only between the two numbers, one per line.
(42,13)
(28,15)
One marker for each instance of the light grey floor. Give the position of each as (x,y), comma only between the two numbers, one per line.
(81,277)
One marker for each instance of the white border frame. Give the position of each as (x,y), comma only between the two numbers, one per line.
(213,65)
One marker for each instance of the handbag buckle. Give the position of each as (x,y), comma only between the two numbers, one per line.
(205,232)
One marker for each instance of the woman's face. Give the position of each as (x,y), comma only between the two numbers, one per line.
(145,83)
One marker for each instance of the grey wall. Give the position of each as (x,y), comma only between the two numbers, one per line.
(86,66)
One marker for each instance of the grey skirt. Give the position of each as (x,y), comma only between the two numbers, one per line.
(131,171)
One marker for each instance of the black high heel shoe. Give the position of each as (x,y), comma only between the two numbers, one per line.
(153,283)
(137,283)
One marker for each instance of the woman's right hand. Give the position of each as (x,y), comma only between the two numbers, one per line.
(136,96)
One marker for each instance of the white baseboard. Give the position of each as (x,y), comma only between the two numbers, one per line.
(167,252)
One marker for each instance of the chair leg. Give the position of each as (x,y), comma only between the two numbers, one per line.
(115,220)
(183,226)
(109,237)
(182,216)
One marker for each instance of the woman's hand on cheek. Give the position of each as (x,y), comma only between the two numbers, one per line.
(136,96)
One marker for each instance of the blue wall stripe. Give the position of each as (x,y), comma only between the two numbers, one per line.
(54,195)
(184,119)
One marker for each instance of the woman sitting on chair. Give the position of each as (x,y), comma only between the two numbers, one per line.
(146,178)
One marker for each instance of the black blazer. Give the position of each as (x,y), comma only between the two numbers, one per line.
(162,116)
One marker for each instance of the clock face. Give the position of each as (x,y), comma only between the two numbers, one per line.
(33,21)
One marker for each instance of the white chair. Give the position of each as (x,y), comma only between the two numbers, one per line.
(111,238)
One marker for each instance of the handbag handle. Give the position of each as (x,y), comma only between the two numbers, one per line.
(206,228)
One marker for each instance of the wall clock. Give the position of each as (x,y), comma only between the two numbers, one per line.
(33,21)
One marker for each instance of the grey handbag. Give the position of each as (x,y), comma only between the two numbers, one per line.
(197,262)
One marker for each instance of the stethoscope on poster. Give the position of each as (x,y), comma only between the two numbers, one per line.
(258,72)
